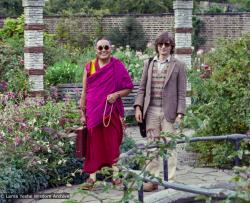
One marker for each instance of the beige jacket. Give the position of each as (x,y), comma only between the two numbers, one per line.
(174,91)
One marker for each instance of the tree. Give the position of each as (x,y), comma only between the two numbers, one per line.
(113,6)
(11,8)
(131,33)
(244,4)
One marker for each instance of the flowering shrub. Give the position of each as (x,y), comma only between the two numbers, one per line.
(33,138)
(133,60)
(67,71)
(242,181)
(61,72)
(221,102)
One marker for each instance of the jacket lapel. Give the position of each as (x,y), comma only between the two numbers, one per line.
(149,78)
(170,70)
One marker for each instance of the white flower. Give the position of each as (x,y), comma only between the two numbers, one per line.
(138,53)
(68,185)
(59,162)
(200,52)
(150,45)
(71,142)
(143,57)
(60,144)
(212,50)
(127,53)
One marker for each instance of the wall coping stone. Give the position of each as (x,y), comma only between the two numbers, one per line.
(33,3)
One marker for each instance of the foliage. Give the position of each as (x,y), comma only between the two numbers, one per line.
(242,181)
(61,72)
(110,6)
(197,39)
(33,135)
(12,72)
(9,60)
(12,28)
(132,60)
(11,51)
(214,9)
(244,5)
(131,33)
(68,32)
(17,181)
(11,8)
(127,144)
(221,102)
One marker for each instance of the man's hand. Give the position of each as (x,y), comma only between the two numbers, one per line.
(138,114)
(178,121)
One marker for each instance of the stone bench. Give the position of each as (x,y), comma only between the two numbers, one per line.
(73,91)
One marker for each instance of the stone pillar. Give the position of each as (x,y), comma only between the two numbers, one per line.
(183,33)
(33,46)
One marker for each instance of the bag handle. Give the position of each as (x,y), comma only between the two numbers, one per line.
(108,116)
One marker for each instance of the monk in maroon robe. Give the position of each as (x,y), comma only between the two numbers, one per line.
(105,81)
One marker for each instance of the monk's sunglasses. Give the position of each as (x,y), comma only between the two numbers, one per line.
(165,44)
(104,47)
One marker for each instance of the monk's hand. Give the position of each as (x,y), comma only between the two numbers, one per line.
(111,98)
(83,119)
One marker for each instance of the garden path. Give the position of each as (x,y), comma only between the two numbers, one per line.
(187,173)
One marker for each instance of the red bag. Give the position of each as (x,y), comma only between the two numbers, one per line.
(81,142)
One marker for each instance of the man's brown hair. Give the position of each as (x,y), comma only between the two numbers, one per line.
(165,37)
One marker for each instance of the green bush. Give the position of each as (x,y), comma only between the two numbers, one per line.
(197,39)
(11,56)
(12,28)
(17,181)
(221,102)
(61,72)
(35,151)
(68,32)
(127,144)
(131,33)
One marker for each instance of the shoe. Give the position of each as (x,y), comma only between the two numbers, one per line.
(88,185)
(149,187)
(117,182)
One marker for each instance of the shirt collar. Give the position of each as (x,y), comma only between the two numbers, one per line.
(157,59)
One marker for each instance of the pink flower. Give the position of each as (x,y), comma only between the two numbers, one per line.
(62,121)
(26,138)
(18,140)
(21,61)
(23,126)
(1,137)
(206,67)
(3,85)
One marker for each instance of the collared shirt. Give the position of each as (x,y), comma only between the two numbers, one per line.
(161,64)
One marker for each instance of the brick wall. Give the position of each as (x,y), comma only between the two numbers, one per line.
(224,25)
(216,25)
